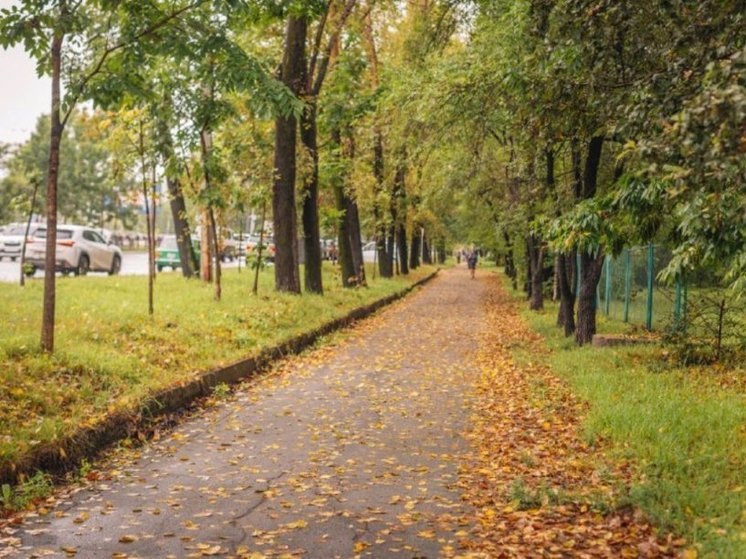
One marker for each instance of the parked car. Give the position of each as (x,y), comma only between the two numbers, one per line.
(369,252)
(79,250)
(167,253)
(11,239)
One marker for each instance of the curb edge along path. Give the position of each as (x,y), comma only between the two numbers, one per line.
(88,442)
(347,451)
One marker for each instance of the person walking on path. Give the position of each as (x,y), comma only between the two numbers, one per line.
(471,262)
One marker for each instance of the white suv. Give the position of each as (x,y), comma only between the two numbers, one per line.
(11,239)
(79,250)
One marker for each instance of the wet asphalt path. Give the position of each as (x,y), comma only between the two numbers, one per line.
(350,450)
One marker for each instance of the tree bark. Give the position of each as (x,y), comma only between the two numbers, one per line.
(401,240)
(590,266)
(510,270)
(590,272)
(310,195)
(399,217)
(414,256)
(536,258)
(344,250)
(205,244)
(177,203)
(566,314)
(352,214)
(287,276)
(148,219)
(56,129)
(427,254)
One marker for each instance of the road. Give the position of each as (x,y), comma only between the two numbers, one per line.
(133,264)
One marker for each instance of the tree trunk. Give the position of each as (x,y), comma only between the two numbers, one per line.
(414,256)
(510,270)
(255,288)
(352,215)
(205,243)
(216,252)
(148,219)
(310,196)
(384,249)
(344,250)
(356,240)
(391,248)
(590,266)
(590,274)
(55,139)
(187,257)
(283,188)
(399,216)
(536,259)
(566,314)
(441,250)
(427,254)
(401,240)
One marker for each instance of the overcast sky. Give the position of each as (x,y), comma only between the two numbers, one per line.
(23,95)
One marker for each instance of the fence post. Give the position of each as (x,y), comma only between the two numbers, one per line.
(627,282)
(651,264)
(607,290)
(677,304)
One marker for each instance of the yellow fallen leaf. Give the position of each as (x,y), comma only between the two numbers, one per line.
(128,538)
(297,525)
(359,547)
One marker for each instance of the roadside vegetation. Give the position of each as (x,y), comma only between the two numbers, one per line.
(111,356)
(678,430)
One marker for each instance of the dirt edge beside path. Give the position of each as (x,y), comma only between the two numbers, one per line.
(67,454)
(539,490)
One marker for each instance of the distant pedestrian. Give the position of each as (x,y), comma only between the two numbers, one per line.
(471,262)
(333,255)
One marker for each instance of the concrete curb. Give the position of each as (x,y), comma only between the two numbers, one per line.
(66,454)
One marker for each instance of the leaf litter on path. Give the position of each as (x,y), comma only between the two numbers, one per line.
(399,439)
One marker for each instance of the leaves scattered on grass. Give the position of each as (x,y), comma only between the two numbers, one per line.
(538,488)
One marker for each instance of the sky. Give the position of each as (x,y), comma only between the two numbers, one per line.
(23,95)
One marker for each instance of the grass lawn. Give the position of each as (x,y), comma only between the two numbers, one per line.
(683,431)
(110,355)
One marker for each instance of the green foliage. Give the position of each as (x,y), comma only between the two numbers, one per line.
(29,491)
(90,191)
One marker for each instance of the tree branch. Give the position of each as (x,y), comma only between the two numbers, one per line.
(110,50)
(333,40)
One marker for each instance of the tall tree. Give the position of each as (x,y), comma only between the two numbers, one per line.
(287,277)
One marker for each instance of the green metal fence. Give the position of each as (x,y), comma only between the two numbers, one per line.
(704,310)
(629,288)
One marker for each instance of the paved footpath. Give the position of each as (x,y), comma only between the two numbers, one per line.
(347,451)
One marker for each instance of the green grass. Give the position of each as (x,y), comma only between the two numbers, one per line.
(110,355)
(681,432)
